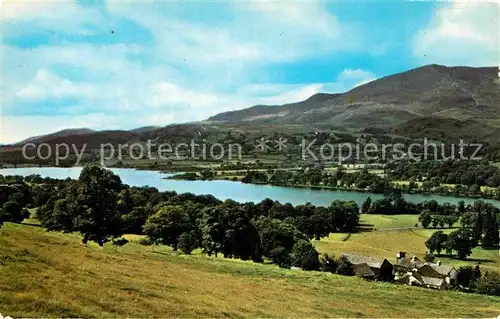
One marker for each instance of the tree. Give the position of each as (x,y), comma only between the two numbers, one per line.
(12,212)
(63,216)
(425,218)
(491,234)
(435,221)
(343,216)
(281,257)
(366,206)
(382,206)
(227,228)
(277,239)
(461,208)
(451,220)
(319,223)
(188,242)
(462,241)
(478,225)
(97,214)
(468,219)
(436,242)
(305,256)
(134,220)
(466,277)
(167,224)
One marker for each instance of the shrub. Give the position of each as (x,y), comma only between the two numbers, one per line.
(488,284)
(12,212)
(145,241)
(188,242)
(25,213)
(465,277)
(328,263)
(119,242)
(345,267)
(281,257)
(305,256)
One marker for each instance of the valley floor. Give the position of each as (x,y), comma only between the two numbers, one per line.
(52,275)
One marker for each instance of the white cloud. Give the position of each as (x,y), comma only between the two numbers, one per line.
(65,16)
(461,33)
(170,94)
(348,79)
(257,32)
(47,85)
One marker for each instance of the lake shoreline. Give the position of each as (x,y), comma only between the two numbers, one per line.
(346,189)
(240,192)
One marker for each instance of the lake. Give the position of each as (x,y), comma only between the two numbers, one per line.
(232,190)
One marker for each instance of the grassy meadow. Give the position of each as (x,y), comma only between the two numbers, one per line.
(46,274)
(385,235)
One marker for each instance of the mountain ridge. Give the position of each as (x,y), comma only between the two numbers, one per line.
(460,93)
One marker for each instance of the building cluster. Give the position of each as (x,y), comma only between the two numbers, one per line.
(408,271)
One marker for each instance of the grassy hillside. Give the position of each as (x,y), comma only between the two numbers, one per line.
(392,234)
(51,274)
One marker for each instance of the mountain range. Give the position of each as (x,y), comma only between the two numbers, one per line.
(440,100)
(432,101)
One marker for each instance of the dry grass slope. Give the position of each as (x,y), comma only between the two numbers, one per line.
(49,274)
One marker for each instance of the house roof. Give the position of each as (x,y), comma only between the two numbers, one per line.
(408,263)
(410,279)
(436,282)
(370,261)
(428,271)
(442,269)
(363,270)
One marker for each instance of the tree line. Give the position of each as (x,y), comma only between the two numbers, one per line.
(100,207)
(429,181)
(480,226)
(462,172)
(317,176)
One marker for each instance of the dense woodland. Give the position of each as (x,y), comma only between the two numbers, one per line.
(467,173)
(101,208)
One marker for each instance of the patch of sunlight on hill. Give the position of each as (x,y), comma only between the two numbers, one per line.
(388,243)
(388,221)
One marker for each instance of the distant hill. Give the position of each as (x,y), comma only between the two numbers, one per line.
(68,132)
(144,129)
(93,139)
(423,95)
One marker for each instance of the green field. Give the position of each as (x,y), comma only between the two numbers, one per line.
(386,243)
(52,275)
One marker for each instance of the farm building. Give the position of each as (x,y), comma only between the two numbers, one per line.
(381,267)
(364,271)
(416,279)
(416,272)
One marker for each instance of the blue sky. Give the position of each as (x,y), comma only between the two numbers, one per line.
(115,65)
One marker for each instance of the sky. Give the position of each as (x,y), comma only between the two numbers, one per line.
(123,65)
